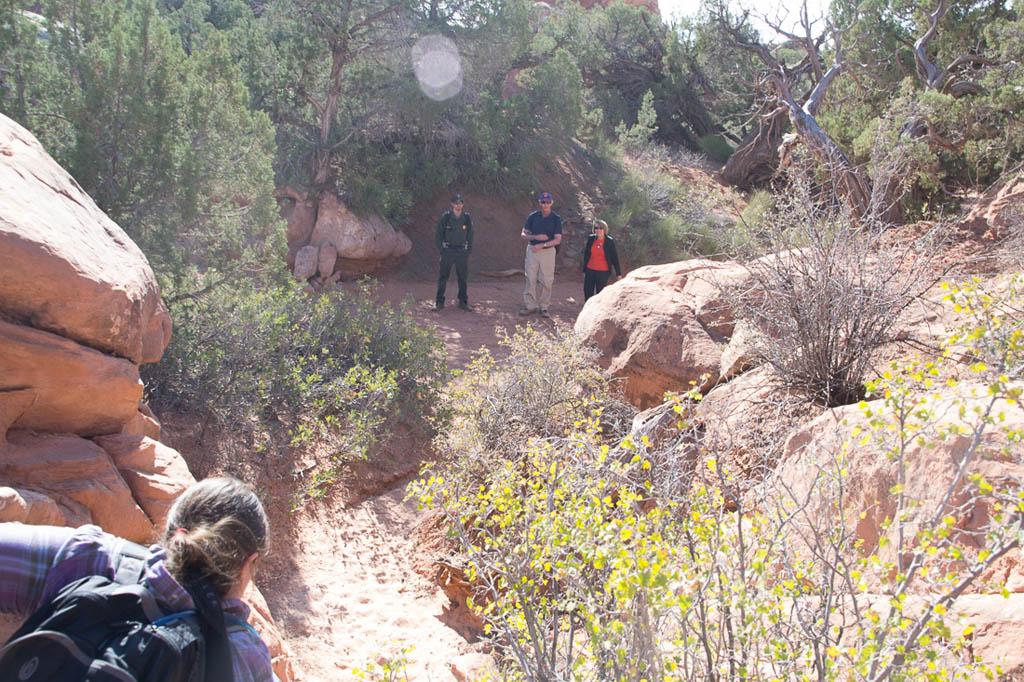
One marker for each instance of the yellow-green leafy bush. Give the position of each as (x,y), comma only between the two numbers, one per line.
(588,568)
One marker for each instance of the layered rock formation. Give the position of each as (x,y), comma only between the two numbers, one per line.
(80,310)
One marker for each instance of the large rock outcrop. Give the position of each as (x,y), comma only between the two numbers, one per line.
(661,326)
(71,468)
(79,312)
(67,268)
(999,210)
(60,380)
(326,241)
(79,304)
(929,462)
(870,503)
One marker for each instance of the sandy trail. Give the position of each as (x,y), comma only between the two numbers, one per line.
(363,602)
(349,595)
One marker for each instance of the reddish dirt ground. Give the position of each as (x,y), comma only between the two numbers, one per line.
(495,303)
(341,582)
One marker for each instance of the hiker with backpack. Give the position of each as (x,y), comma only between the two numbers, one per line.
(103,608)
(453,237)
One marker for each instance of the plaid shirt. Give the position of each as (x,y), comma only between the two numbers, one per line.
(37,561)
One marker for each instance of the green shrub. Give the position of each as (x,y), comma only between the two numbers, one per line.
(639,135)
(716,147)
(651,213)
(542,386)
(280,367)
(749,238)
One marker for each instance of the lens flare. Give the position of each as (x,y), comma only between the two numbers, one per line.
(438,67)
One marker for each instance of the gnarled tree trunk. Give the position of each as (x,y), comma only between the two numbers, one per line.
(757,156)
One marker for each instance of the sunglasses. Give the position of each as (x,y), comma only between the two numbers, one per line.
(545,201)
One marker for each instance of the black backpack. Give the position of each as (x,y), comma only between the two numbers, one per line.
(100,630)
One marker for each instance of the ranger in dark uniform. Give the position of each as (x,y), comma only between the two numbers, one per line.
(453,237)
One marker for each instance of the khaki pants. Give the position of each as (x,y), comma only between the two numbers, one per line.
(540,275)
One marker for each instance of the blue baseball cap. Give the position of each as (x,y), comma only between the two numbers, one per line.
(456,198)
(545,196)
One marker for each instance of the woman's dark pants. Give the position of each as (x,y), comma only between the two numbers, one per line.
(594,281)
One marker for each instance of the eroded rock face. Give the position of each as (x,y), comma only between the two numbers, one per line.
(660,327)
(65,267)
(24,505)
(999,209)
(305,263)
(929,469)
(870,500)
(64,386)
(155,473)
(72,468)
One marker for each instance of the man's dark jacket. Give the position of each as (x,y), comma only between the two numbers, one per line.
(454,232)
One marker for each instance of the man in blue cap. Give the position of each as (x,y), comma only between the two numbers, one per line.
(453,237)
(543,232)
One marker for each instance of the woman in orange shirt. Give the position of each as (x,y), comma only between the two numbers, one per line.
(599,257)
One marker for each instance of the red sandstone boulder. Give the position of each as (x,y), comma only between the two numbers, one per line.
(79,470)
(325,237)
(23,505)
(740,354)
(326,259)
(929,467)
(13,403)
(369,239)
(299,212)
(155,473)
(143,423)
(998,629)
(65,267)
(62,386)
(305,263)
(867,491)
(79,311)
(659,328)
(1000,208)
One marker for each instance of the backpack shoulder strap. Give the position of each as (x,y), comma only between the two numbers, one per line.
(130,566)
(129,560)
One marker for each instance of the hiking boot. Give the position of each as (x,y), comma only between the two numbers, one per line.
(464,305)
(545,313)
(439,305)
(527,311)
